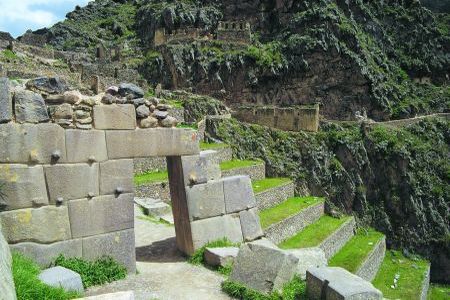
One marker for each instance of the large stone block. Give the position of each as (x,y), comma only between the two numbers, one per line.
(101,215)
(86,146)
(205,200)
(121,116)
(238,193)
(30,107)
(250,224)
(263,267)
(337,283)
(23,187)
(61,277)
(212,229)
(47,224)
(119,245)
(151,142)
(116,177)
(38,144)
(6,109)
(308,258)
(220,256)
(69,182)
(7,288)
(199,169)
(45,254)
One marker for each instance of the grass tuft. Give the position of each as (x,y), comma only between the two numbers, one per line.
(286,209)
(439,292)
(198,259)
(28,285)
(268,183)
(151,177)
(233,164)
(98,272)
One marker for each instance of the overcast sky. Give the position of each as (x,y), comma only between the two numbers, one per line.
(17,16)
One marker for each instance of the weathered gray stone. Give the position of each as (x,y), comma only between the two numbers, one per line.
(119,245)
(32,143)
(116,177)
(263,268)
(151,142)
(6,106)
(47,224)
(149,122)
(23,187)
(142,111)
(212,229)
(169,122)
(308,258)
(251,227)
(30,107)
(74,181)
(205,200)
(128,295)
(63,111)
(7,288)
(126,89)
(101,215)
(153,207)
(45,254)
(238,193)
(86,145)
(115,116)
(48,85)
(200,168)
(222,257)
(62,277)
(160,114)
(337,283)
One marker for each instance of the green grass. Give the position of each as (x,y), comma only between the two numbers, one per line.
(198,259)
(411,272)
(286,209)
(28,285)
(151,177)
(233,164)
(353,254)
(187,126)
(9,54)
(314,234)
(97,272)
(268,183)
(212,146)
(293,290)
(439,292)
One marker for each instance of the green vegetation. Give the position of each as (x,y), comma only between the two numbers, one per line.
(286,209)
(439,292)
(293,290)
(314,234)
(198,259)
(103,270)
(151,177)
(212,146)
(8,54)
(28,285)
(268,183)
(188,126)
(233,164)
(353,254)
(410,274)
(266,55)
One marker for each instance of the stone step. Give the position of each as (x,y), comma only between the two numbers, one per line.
(153,207)
(328,233)
(270,192)
(255,169)
(362,255)
(289,217)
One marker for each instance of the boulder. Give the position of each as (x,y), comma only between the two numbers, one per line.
(108,99)
(264,267)
(126,89)
(142,111)
(112,90)
(47,85)
(220,257)
(62,277)
(30,107)
(308,258)
(6,107)
(63,111)
(160,114)
(72,97)
(168,122)
(149,122)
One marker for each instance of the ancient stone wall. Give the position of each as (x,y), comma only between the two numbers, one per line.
(183,34)
(234,31)
(290,119)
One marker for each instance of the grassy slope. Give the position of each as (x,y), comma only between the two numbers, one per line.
(212,146)
(151,177)
(314,234)
(356,250)
(286,209)
(411,274)
(268,183)
(233,164)
(439,292)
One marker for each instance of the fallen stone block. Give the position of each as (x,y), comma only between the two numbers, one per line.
(62,277)
(129,295)
(6,106)
(338,283)
(153,207)
(30,107)
(23,187)
(220,257)
(238,193)
(101,215)
(116,177)
(251,227)
(86,146)
(72,181)
(47,224)
(205,200)
(37,144)
(308,258)
(263,267)
(115,116)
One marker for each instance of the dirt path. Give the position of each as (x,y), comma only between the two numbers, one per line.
(163,272)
